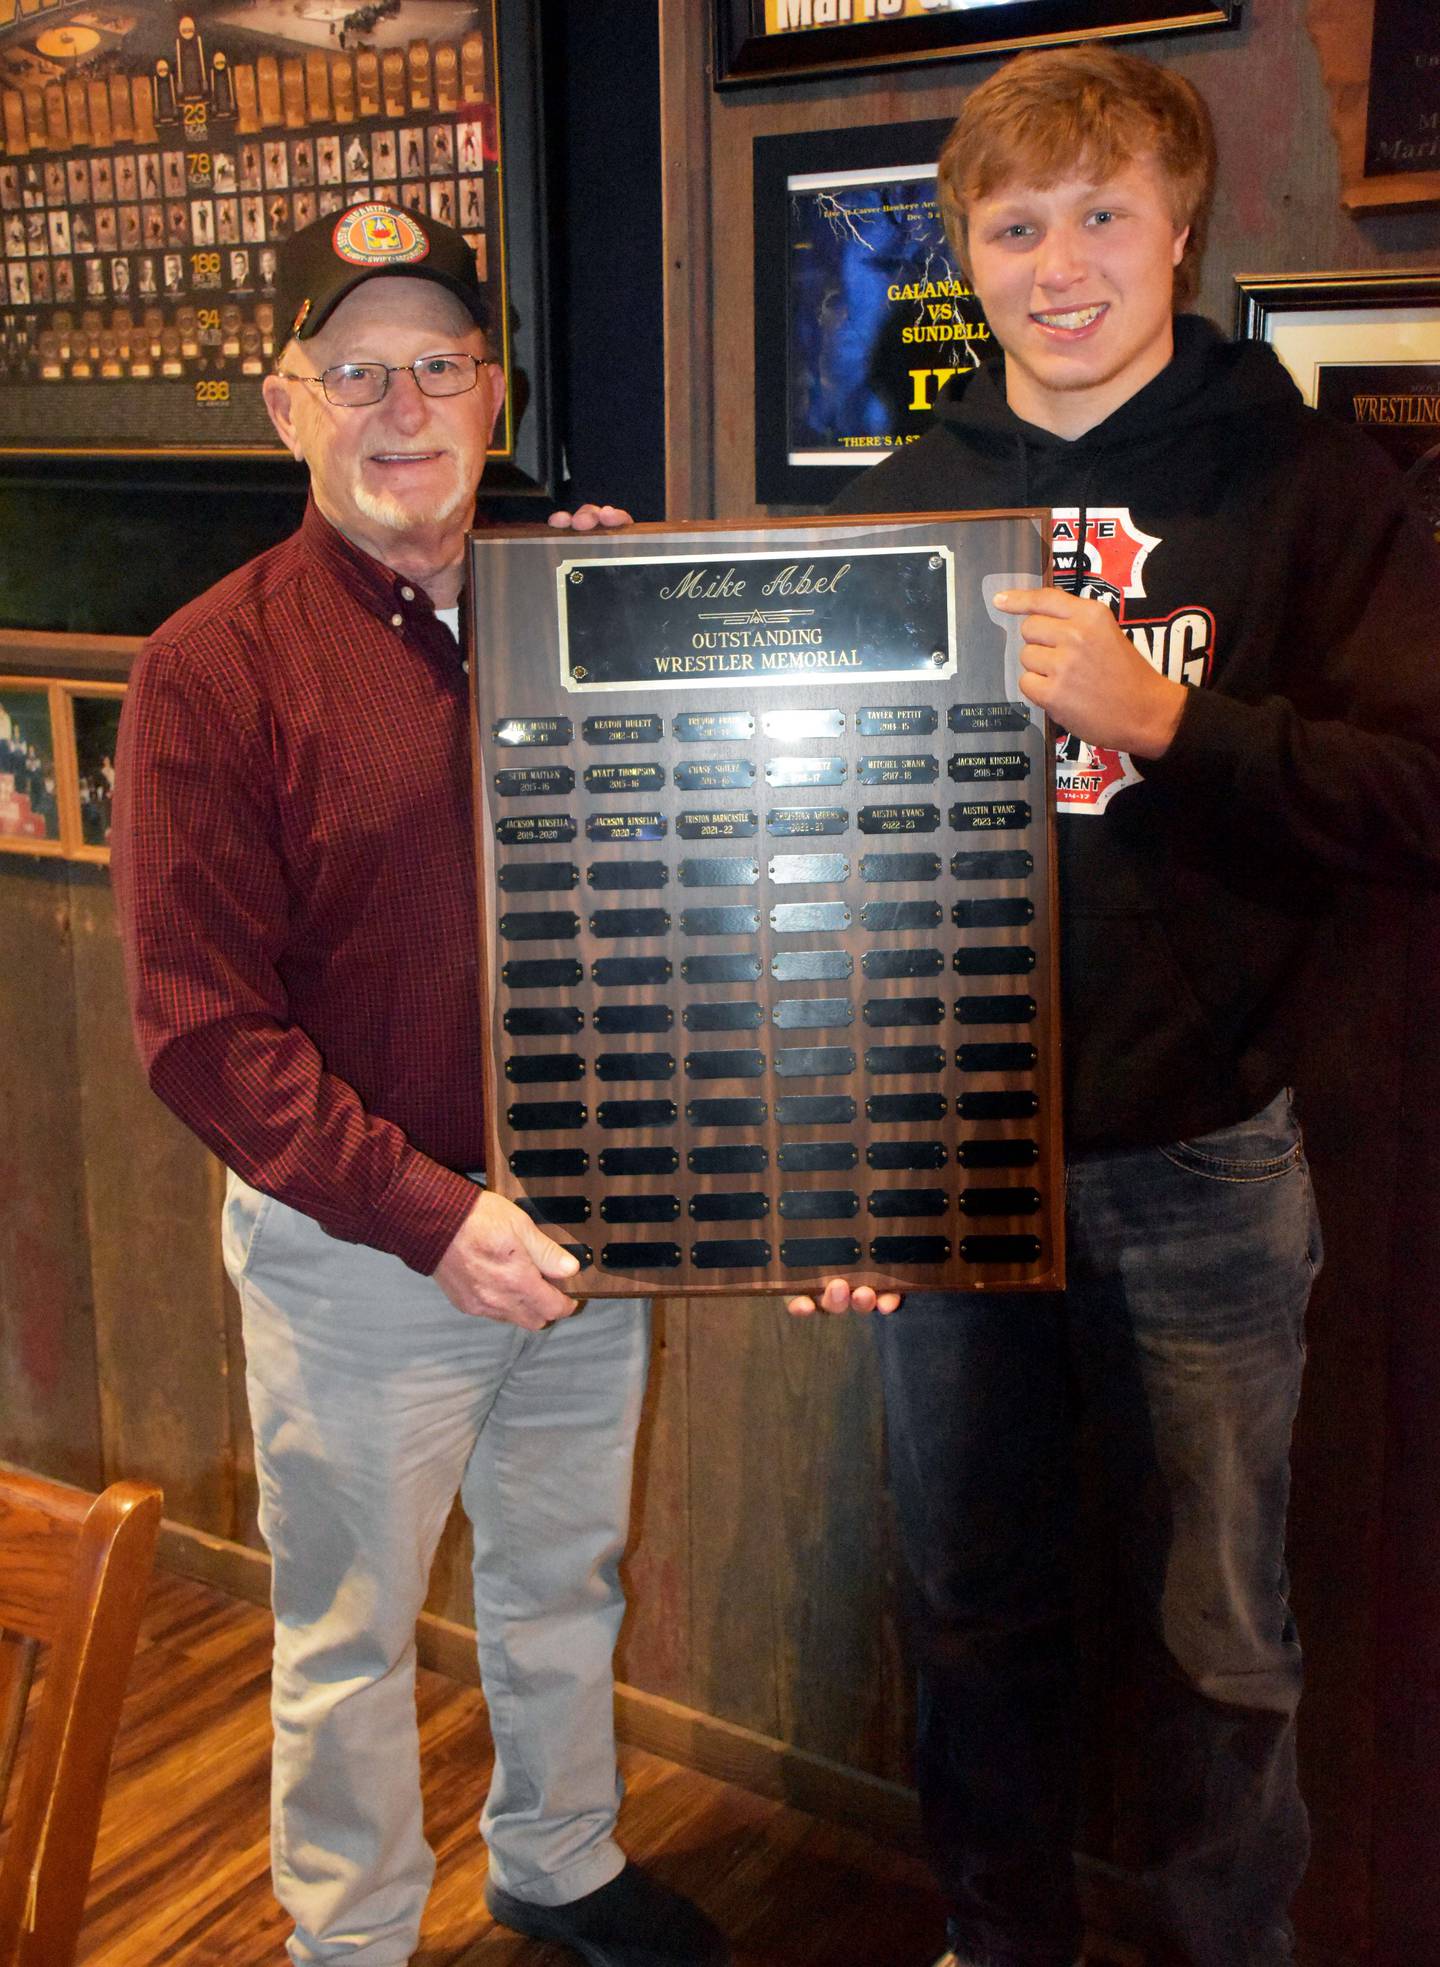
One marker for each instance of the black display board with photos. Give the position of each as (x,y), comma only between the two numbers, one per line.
(150,172)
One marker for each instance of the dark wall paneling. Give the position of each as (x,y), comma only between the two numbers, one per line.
(603,110)
(49,1403)
(655,1643)
(113,555)
(152,1195)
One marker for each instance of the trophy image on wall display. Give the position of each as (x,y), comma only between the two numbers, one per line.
(765,838)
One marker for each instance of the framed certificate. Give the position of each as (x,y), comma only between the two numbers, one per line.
(764,831)
(1363,347)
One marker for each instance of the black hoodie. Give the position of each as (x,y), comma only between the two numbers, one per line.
(1266,556)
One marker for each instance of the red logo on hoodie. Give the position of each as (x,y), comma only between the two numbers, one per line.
(1109,566)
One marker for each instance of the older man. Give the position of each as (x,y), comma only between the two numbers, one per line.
(294,868)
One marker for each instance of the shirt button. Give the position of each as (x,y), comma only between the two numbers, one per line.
(397,621)
(407,594)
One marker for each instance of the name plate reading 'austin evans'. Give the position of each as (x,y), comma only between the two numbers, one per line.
(757,619)
(769,968)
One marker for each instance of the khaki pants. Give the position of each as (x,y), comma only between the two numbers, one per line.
(373,1402)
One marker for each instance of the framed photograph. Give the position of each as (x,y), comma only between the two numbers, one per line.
(1364,347)
(1381,60)
(89,726)
(30,767)
(794,40)
(207,196)
(861,313)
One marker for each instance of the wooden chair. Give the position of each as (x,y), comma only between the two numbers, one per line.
(74,1570)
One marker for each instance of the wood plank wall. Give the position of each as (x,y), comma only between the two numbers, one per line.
(1366,1512)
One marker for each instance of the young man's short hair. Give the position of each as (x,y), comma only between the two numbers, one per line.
(1082,111)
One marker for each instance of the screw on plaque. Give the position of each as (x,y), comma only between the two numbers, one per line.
(936,562)
(576,575)
(937,657)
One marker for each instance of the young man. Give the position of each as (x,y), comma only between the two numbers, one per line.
(295,872)
(1239,650)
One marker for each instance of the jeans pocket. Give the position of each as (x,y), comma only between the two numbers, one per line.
(247,1214)
(1259,1149)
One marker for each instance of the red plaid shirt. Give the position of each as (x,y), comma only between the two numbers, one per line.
(294,867)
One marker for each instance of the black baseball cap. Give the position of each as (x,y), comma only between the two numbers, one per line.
(324,261)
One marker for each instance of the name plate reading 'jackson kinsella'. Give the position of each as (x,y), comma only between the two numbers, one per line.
(768,970)
(743,618)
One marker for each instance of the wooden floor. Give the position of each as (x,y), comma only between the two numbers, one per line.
(181,1876)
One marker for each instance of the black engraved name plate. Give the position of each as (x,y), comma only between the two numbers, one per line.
(626,826)
(922,769)
(747,801)
(971,719)
(978,767)
(714,726)
(632,778)
(533,731)
(714,774)
(797,822)
(639,728)
(535,782)
(535,829)
(716,825)
(909,720)
(899,819)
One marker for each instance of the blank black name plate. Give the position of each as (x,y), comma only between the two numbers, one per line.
(764,833)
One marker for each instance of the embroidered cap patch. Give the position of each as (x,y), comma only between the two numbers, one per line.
(378,235)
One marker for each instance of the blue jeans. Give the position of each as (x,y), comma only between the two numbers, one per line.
(1179,1344)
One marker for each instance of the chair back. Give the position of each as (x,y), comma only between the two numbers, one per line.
(74,1571)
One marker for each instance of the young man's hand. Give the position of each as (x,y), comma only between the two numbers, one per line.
(1082,669)
(586,518)
(840,1296)
(500,1266)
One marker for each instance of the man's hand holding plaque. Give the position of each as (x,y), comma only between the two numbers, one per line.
(840,1296)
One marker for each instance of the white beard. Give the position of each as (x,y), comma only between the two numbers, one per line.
(398,514)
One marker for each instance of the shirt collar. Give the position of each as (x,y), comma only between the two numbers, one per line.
(377,588)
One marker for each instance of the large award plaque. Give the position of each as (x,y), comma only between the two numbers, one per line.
(765,836)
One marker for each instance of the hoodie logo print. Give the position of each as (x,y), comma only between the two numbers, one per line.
(1109,565)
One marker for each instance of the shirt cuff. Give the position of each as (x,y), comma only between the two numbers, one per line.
(423,1208)
(1213,732)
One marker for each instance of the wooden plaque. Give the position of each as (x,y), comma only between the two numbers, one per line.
(765,841)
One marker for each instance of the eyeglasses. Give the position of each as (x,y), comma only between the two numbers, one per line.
(352,385)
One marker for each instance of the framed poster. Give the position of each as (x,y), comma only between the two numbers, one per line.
(90,723)
(150,171)
(30,767)
(1381,60)
(793,40)
(1364,347)
(861,311)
